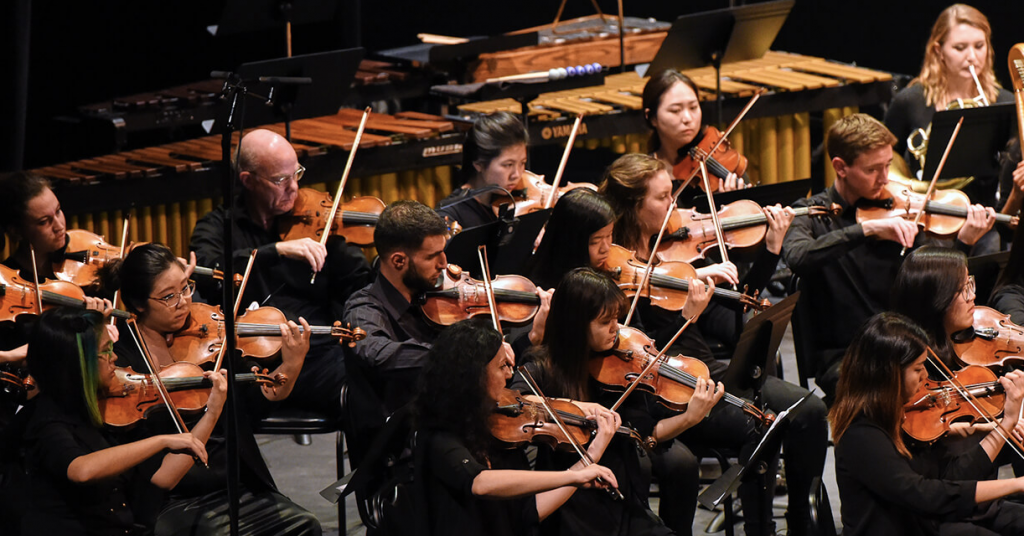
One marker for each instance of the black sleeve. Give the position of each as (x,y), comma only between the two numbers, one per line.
(897,119)
(208,244)
(380,349)
(1009,300)
(805,253)
(349,272)
(761,272)
(869,456)
(56,448)
(453,465)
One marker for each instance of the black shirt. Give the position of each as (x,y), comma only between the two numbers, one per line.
(1009,300)
(277,281)
(448,476)
(882,493)
(54,439)
(469,213)
(908,112)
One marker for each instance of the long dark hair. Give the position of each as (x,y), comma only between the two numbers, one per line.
(18,187)
(925,287)
(453,386)
(871,375)
(63,358)
(137,272)
(625,187)
(491,134)
(581,297)
(653,91)
(577,215)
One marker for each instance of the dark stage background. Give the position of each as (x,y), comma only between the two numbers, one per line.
(76,53)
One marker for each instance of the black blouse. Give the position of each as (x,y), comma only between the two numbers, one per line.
(448,474)
(884,493)
(56,505)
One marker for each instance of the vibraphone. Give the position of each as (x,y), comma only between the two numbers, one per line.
(775,136)
(169,187)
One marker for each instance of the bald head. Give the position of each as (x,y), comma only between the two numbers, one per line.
(259,146)
(266,161)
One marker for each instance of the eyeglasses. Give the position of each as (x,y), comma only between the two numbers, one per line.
(278,181)
(174,299)
(969,288)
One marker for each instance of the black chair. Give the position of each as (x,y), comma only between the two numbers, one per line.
(822,523)
(725,459)
(301,424)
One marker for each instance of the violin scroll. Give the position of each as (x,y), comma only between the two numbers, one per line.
(347,335)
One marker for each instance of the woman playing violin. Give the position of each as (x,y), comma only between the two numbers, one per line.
(32,215)
(473,485)
(640,188)
(155,286)
(83,480)
(494,154)
(672,110)
(886,485)
(578,233)
(582,325)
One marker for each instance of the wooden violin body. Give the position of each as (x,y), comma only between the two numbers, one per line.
(996,340)
(460,297)
(724,161)
(84,255)
(199,341)
(668,284)
(690,234)
(355,220)
(936,405)
(133,396)
(531,194)
(19,296)
(517,421)
(15,384)
(943,216)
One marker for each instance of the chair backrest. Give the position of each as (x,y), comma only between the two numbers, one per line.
(822,522)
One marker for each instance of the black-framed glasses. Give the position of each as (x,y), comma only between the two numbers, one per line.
(278,181)
(969,287)
(174,299)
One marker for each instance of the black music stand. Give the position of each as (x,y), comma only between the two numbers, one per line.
(754,357)
(515,245)
(976,149)
(783,193)
(721,36)
(245,16)
(332,74)
(509,244)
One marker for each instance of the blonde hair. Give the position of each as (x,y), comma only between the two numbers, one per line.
(625,186)
(856,134)
(933,76)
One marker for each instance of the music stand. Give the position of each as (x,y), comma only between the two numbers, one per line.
(754,357)
(721,36)
(245,16)
(783,193)
(976,149)
(515,245)
(332,74)
(461,249)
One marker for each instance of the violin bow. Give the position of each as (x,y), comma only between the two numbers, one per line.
(341,186)
(561,165)
(722,250)
(238,303)
(650,261)
(584,456)
(124,242)
(725,136)
(1014,444)
(481,253)
(935,178)
(35,279)
(647,369)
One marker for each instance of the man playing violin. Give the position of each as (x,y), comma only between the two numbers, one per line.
(383,368)
(847,268)
(269,172)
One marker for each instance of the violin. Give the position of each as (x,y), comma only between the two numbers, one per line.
(258,331)
(15,384)
(532,192)
(943,216)
(720,164)
(355,220)
(669,281)
(744,225)
(19,296)
(517,421)
(937,404)
(133,396)
(87,252)
(459,297)
(672,380)
(995,339)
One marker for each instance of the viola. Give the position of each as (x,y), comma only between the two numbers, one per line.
(19,296)
(532,192)
(672,380)
(744,225)
(517,421)
(133,397)
(937,404)
(199,341)
(720,164)
(668,284)
(355,220)
(943,216)
(459,297)
(995,340)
